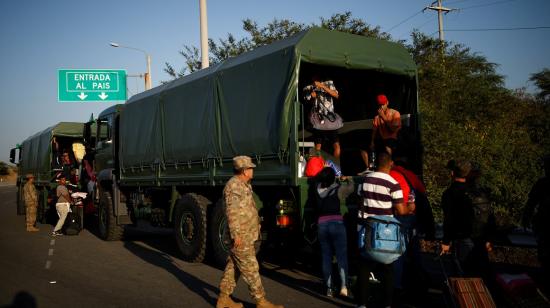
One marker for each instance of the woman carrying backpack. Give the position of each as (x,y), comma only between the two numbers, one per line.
(331,229)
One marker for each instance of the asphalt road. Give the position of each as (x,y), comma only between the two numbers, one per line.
(142,271)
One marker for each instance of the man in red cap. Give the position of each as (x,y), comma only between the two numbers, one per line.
(385,126)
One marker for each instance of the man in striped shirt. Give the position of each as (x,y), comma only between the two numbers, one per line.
(382,195)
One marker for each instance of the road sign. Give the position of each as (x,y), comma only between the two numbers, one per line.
(91,85)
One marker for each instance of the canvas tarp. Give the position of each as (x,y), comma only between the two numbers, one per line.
(36,150)
(244,104)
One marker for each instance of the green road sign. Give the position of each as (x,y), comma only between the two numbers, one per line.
(91,85)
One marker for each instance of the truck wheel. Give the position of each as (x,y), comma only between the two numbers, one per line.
(220,236)
(190,226)
(108,228)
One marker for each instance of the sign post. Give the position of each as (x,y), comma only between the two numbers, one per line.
(91,85)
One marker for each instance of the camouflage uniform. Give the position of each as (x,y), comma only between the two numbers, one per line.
(243,222)
(31,202)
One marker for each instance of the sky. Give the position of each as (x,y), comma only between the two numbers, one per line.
(37,38)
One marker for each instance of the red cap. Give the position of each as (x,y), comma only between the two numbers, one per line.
(382,99)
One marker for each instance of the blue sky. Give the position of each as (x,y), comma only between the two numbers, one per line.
(39,37)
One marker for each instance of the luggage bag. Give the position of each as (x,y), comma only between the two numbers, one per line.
(467,292)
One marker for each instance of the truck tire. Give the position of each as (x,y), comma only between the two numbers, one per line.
(108,228)
(219,235)
(190,226)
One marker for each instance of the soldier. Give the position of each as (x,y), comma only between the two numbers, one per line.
(31,203)
(244,227)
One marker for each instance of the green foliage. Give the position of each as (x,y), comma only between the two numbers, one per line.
(467,113)
(258,36)
(542,80)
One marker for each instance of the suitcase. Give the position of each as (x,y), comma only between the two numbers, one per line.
(467,292)
(470,292)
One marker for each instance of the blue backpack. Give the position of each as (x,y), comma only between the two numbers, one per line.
(381,239)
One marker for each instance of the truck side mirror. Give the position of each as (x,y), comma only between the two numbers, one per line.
(12,156)
(88,133)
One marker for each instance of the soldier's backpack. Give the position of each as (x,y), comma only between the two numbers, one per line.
(72,225)
(482,209)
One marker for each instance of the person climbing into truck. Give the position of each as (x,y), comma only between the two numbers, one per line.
(385,127)
(330,226)
(325,122)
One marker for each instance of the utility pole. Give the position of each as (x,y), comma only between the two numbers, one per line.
(440,9)
(204,35)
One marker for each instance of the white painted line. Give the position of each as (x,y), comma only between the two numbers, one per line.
(52,242)
(48,265)
(52,282)
(50,252)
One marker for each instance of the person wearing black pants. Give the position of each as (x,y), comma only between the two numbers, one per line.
(384,273)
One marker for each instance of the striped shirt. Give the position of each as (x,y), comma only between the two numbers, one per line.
(380,194)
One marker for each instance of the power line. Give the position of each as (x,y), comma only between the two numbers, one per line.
(418,27)
(458,1)
(405,20)
(499,29)
(487,4)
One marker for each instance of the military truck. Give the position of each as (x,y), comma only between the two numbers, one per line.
(168,151)
(40,155)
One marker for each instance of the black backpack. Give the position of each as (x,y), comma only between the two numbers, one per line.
(425,222)
(72,224)
(482,210)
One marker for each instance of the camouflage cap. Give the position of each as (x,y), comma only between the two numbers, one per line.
(242,162)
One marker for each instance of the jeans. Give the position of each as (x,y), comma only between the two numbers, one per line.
(332,237)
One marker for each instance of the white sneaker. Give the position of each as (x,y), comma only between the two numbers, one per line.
(344,292)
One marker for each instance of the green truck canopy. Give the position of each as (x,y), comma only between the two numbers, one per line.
(244,105)
(36,150)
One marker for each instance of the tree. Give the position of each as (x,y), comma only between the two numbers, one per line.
(542,81)
(468,113)
(259,36)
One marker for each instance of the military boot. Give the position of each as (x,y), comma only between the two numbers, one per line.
(225,301)
(32,229)
(264,303)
